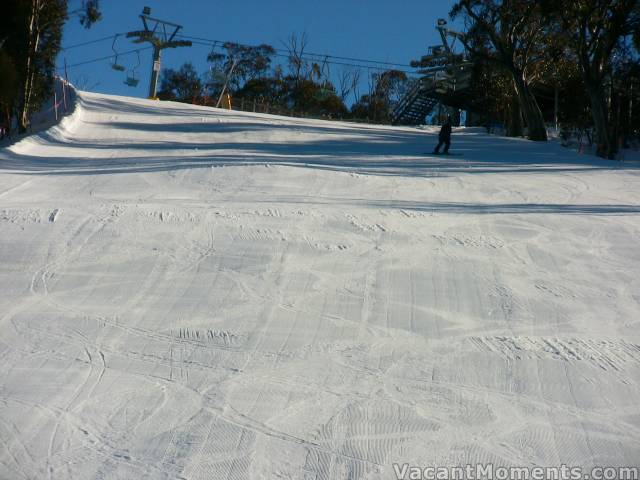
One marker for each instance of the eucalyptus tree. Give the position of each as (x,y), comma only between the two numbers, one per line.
(594,31)
(30,39)
(508,34)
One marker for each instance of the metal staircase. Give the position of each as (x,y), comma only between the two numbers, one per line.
(447,78)
(416,104)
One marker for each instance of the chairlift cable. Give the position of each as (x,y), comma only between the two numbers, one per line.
(322,58)
(351,59)
(282,53)
(90,42)
(100,59)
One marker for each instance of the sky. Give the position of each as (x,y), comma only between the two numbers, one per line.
(382,30)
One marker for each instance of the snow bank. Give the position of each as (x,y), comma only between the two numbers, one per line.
(56,119)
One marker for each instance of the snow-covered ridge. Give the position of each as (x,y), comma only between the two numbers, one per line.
(120,133)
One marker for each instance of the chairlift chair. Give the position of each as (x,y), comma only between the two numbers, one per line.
(323,93)
(217,76)
(132,79)
(115,65)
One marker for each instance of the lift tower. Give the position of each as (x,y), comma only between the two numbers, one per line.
(160,34)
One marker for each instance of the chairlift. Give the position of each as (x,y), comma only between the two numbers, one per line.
(217,76)
(115,65)
(212,53)
(323,92)
(132,79)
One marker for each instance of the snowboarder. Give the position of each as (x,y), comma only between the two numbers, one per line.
(444,137)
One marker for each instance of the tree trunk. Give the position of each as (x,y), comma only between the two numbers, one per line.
(514,118)
(530,109)
(605,137)
(34,38)
(6,121)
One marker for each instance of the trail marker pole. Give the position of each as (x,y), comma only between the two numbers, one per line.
(155,72)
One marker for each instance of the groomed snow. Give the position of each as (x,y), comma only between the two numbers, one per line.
(202,294)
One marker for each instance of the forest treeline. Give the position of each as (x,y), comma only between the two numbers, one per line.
(527,54)
(299,85)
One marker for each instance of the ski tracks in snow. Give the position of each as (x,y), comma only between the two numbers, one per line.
(309,320)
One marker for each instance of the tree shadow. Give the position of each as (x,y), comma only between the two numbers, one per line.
(461,207)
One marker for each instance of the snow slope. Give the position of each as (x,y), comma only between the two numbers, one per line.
(201,294)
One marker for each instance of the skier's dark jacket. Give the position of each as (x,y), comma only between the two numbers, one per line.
(445,132)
